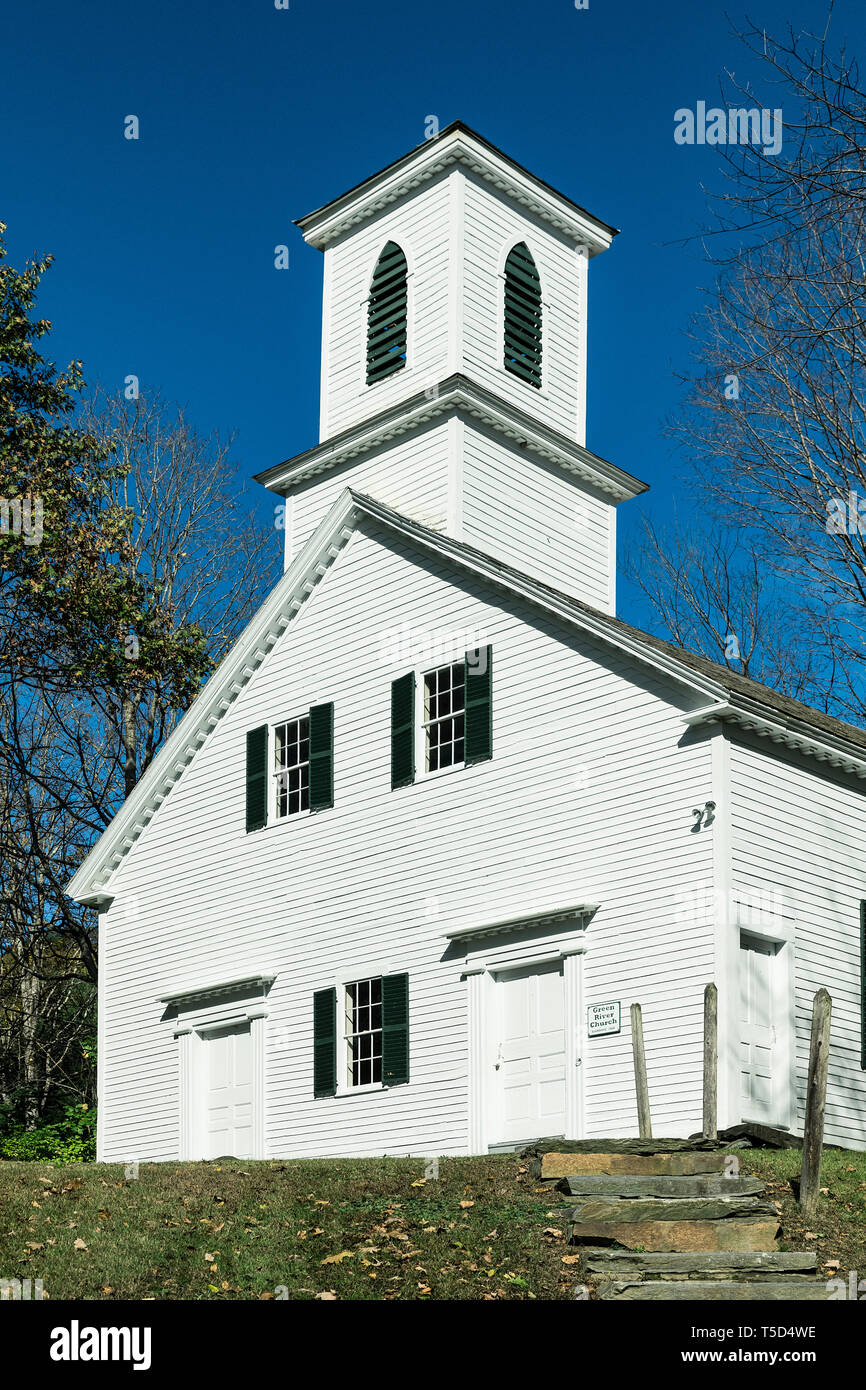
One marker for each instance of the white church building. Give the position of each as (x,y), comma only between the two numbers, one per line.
(440,817)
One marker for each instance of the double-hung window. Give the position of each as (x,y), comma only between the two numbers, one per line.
(361,1035)
(363,1032)
(292,767)
(454,726)
(444,717)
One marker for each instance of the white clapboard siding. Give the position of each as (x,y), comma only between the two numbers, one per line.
(538,518)
(492,224)
(411,475)
(587,799)
(420,224)
(800,832)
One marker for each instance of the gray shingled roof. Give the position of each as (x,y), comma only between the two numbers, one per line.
(732,682)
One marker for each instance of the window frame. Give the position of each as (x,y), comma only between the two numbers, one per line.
(363,385)
(342,986)
(274,817)
(345,1086)
(540,392)
(422,771)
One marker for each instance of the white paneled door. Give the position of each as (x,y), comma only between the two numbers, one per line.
(529,1055)
(228,1092)
(759,1023)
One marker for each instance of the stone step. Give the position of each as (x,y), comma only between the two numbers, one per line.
(716,1264)
(620,1209)
(618,1146)
(566,1165)
(713,1290)
(628,1186)
(743,1233)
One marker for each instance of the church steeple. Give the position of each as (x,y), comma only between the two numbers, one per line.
(454,363)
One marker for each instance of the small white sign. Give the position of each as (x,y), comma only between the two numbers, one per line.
(603,1018)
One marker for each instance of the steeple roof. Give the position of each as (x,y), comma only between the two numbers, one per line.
(455,144)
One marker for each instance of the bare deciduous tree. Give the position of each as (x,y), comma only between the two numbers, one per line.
(774,423)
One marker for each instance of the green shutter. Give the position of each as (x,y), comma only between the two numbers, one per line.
(325,1042)
(321,757)
(257,778)
(395,1029)
(403,730)
(387,315)
(863,985)
(479,705)
(522,341)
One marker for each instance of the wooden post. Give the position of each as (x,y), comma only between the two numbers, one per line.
(711,1062)
(643,1106)
(816,1096)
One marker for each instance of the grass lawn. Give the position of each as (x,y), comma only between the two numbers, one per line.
(342,1228)
(838,1231)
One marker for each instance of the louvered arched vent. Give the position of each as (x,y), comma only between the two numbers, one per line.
(386,315)
(522,315)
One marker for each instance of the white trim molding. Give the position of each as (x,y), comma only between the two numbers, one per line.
(536,921)
(201,994)
(530,941)
(459,145)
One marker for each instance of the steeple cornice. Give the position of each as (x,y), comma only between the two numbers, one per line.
(456,394)
(457,144)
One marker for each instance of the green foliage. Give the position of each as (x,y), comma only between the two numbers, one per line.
(72,1139)
(76,594)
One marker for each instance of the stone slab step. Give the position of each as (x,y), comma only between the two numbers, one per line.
(745,1233)
(619,1209)
(567,1165)
(618,1146)
(699,1264)
(631,1185)
(713,1290)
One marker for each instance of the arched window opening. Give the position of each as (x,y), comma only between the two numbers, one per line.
(522,348)
(386,315)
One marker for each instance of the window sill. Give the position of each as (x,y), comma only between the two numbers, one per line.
(438,772)
(367,1090)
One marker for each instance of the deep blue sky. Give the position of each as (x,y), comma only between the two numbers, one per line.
(252,116)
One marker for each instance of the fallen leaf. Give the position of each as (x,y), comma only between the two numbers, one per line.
(79,1244)
(551,1231)
(328,1296)
(570,1259)
(338,1259)
(467,1204)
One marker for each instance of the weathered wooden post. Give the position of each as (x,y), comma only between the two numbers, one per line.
(711,1062)
(816,1097)
(644,1123)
